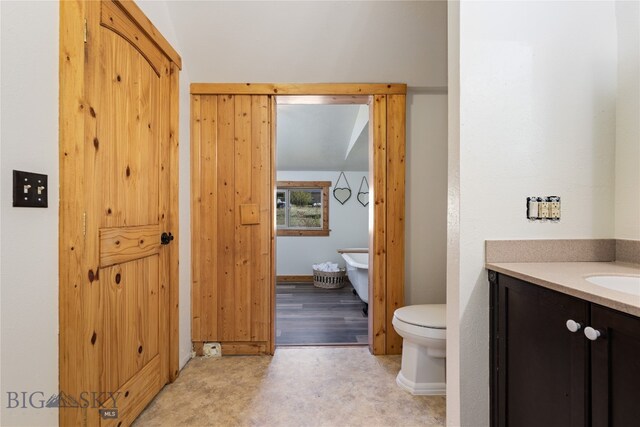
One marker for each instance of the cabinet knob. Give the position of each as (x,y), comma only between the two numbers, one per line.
(573,326)
(592,334)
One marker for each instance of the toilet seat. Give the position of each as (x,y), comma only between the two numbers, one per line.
(426,320)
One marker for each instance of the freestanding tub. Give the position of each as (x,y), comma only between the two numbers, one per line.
(358,270)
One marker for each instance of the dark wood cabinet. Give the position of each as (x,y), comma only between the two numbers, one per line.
(615,368)
(543,374)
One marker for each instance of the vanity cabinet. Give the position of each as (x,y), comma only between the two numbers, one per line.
(544,374)
(615,368)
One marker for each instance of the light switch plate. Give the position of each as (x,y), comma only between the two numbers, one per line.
(30,190)
(532,208)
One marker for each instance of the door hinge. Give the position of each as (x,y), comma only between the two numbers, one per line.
(85,31)
(84,223)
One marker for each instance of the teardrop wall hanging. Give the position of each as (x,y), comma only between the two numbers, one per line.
(363,196)
(342,194)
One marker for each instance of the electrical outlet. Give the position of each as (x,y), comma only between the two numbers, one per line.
(543,210)
(555,210)
(212,349)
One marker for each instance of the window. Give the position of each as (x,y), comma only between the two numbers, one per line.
(302,208)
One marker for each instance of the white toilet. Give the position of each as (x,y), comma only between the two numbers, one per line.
(423,329)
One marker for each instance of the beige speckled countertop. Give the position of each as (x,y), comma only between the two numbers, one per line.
(569,278)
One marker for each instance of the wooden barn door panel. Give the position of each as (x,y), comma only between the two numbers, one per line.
(232,230)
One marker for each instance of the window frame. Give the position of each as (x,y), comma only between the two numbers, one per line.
(323,186)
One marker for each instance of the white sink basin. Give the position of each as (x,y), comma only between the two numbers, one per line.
(626,284)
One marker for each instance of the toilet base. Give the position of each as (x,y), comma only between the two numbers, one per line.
(421,373)
(421,389)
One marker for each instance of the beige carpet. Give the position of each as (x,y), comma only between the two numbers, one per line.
(307,386)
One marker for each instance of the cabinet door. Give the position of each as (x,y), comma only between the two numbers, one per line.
(615,368)
(540,367)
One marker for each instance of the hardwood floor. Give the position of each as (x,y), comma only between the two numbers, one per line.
(306,315)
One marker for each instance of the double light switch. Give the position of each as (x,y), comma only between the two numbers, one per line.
(30,190)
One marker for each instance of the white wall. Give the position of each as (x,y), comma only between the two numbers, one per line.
(349,225)
(368,41)
(29,242)
(537,117)
(627,190)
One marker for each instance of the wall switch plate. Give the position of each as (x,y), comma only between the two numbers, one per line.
(532,208)
(30,190)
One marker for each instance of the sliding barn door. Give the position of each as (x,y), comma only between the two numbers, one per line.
(118,205)
(232,231)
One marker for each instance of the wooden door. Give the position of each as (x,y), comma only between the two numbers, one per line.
(116,328)
(231,221)
(615,368)
(540,368)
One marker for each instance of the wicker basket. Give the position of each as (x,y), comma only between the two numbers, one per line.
(329,280)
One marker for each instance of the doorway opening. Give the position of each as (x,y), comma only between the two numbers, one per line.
(321,205)
(233,203)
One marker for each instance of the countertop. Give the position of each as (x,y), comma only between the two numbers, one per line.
(569,278)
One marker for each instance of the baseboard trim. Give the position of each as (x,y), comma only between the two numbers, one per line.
(243,348)
(290,279)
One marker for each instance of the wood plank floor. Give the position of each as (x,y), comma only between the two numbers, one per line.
(306,315)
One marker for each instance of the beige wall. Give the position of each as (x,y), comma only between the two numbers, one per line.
(627,190)
(426,208)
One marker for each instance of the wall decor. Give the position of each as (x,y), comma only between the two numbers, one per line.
(342,194)
(363,196)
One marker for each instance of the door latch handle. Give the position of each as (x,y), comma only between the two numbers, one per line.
(166,238)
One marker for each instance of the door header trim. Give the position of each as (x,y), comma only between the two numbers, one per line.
(320,89)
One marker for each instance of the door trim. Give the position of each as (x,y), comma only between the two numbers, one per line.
(304,89)
(77,373)
(387,162)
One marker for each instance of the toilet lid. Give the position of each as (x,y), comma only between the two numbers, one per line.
(425,315)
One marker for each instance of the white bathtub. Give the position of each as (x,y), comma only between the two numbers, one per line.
(358,270)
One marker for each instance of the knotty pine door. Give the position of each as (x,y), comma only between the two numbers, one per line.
(232,241)
(118,175)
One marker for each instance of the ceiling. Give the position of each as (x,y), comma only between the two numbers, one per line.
(322,138)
